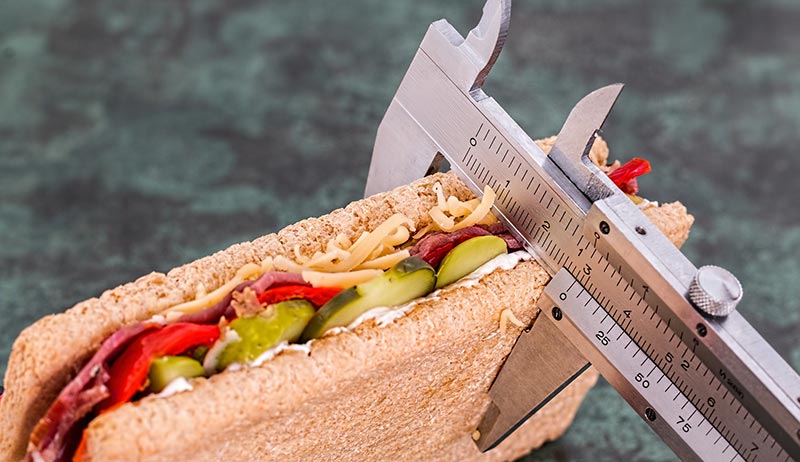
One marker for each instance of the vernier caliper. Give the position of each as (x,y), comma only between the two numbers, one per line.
(661,331)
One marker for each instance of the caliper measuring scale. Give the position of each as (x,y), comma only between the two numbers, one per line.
(712,421)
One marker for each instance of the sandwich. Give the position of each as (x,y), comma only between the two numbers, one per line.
(371,333)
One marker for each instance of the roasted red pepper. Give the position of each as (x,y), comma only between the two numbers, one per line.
(318,296)
(129,370)
(625,176)
(80,453)
(435,256)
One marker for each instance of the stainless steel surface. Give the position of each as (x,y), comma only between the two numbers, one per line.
(648,389)
(715,291)
(575,220)
(403,149)
(724,366)
(486,40)
(542,363)
(571,150)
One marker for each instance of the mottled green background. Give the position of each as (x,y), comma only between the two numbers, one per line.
(138,135)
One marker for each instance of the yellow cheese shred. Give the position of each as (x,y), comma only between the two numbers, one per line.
(422,232)
(385,261)
(460,209)
(246,272)
(362,248)
(507,316)
(285,264)
(372,250)
(441,220)
(452,214)
(342,279)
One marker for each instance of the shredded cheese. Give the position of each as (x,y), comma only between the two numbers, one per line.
(460,209)
(386,261)
(375,250)
(321,260)
(507,316)
(452,214)
(441,220)
(341,279)
(440,200)
(246,272)
(480,211)
(282,263)
(399,236)
(342,240)
(361,249)
(298,255)
(423,231)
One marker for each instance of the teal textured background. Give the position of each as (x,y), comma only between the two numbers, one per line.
(136,136)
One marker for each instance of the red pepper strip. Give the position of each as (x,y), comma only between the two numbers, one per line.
(129,371)
(80,453)
(625,176)
(318,296)
(435,256)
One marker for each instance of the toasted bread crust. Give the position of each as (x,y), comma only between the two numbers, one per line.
(41,363)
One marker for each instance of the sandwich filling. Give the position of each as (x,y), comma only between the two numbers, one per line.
(285,303)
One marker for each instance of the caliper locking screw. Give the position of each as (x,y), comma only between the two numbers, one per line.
(701,329)
(715,291)
(650,414)
(604,228)
(557,314)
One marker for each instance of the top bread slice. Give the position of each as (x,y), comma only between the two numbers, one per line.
(340,387)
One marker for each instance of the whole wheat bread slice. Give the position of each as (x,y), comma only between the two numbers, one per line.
(414,389)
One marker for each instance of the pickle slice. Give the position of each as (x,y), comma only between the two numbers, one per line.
(411,278)
(165,369)
(280,322)
(467,257)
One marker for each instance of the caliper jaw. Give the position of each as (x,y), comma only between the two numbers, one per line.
(403,150)
(541,364)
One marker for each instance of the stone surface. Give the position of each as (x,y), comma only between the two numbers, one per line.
(138,136)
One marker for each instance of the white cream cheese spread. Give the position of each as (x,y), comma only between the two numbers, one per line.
(177,385)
